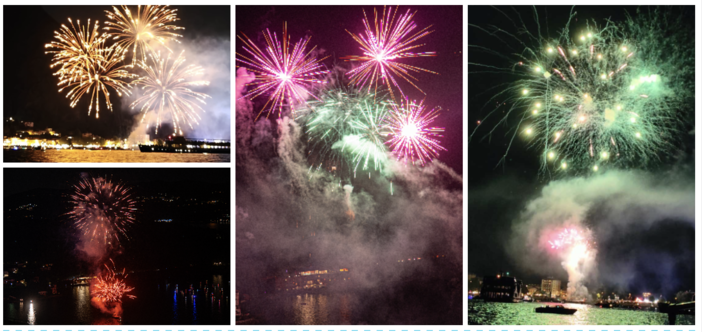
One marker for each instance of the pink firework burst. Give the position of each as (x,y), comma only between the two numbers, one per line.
(389,39)
(569,237)
(286,76)
(411,137)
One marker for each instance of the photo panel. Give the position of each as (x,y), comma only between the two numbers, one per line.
(116,246)
(349,165)
(582,165)
(114,84)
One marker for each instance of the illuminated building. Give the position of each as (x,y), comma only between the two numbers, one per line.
(501,289)
(551,287)
(311,279)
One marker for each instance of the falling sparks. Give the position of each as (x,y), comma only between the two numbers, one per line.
(151,24)
(411,138)
(286,76)
(166,88)
(102,210)
(84,65)
(110,286)
(390,38)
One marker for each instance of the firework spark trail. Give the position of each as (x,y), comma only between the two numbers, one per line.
(578,253)
(612,96)
(166,89)
(110,287)
(346,126)
(151,23)
(102,210)
(286,76)
(411,138)
(86,64)
(383,43)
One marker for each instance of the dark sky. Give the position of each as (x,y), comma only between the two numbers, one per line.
(17,180)
(328,24)
(30,90)
(498,193)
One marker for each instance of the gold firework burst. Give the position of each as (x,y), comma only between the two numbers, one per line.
(87,66)
(166,89)
(151,24)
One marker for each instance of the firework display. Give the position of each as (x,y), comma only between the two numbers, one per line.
(102,210)
(350,117)
(150,24)
(596,96)
(346,125)
(411,138)
(569,237)
(86,65)
(110,286)
(577,251)
(388,39)
(166,88)
(286,75)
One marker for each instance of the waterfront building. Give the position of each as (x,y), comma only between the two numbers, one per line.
(501,289)
(551,287)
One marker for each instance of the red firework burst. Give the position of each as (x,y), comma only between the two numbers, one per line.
(102,210)
(110,286)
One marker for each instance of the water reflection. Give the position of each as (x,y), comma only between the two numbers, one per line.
(158,305)
(491,313)
(83,156)
(81,294)
(194,310)
(175,306)
(31,318)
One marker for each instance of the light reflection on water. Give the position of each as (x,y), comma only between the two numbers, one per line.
(494,313)
(30,316)
(306,309)
(103,156)
(159,306)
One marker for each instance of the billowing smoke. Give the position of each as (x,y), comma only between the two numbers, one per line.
(91,249)
(604,207)
(112,308)
(349,189)
(290,215)
(213,55)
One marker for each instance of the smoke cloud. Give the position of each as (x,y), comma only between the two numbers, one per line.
(292,216)
(114,308)
(213,55)
(611,206)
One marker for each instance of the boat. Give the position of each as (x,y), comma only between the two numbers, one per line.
(180,144)
(558,309)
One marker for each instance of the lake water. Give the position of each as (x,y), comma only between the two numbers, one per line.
(154,305)
(107,156)
(353,308)
(494,313)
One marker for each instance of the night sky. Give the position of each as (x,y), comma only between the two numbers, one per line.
(327,25)
(30,89)
(660,256)
(18,180)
